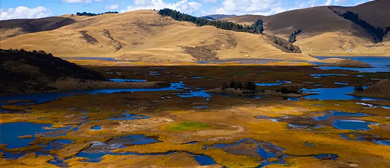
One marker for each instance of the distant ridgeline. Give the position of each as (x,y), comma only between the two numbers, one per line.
(256,28)
(376,32)
(93,14)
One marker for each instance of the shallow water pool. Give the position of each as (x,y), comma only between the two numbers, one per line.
(356,125)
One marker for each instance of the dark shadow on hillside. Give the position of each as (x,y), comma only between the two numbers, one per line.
(35,25)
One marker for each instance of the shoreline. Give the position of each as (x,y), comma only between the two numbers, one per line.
(76,85)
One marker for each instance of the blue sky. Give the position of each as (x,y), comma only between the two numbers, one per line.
(11,9)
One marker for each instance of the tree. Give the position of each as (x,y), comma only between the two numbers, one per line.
(258,26)
(232,84)
(376,32)
(292,38)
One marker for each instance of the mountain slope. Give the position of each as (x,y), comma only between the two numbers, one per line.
(325,32)
(375,12)
(146,36)
(217,16)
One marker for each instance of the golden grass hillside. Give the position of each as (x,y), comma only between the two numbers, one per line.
(326,33)
(138,36)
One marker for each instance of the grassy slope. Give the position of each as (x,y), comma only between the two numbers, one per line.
(142,36)
(324,32)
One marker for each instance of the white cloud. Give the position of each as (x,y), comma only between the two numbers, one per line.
(140,2)
(24,12)
(260,7)
(112,7)
(209,1)
(80,1)
(184,6)
(340,2)
(77,1)
(268,7)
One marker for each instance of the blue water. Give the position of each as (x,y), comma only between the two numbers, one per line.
(265,150)
(127,80)
(9,155)
(298,126)
(356,125)
(154,74)
(59,163)
(115,143)
(38,98)
(196,77)
(77,127)
(327,156)
(93,157)
(309,144)
(373,106)
(204,160)
(379,64)
(128,116)
(322,75)
(96,127)
(58,144)
(267,118)
(137,139)
(200,93)
(293,98)
(200,107)
(341,83)
(335,94)
(382,142)
(367,137)
(268,84)
(11,131)
(339,114)
(277,83)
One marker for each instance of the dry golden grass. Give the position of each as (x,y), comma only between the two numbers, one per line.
(143,36)
(326,33)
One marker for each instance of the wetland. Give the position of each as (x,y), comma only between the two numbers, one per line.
(184,125)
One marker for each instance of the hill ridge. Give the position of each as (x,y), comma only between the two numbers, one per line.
(144,36)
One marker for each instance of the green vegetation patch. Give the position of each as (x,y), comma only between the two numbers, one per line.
(187,126)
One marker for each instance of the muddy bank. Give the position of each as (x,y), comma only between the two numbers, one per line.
(378,90)
(250,89)
(240,92)
(345,62)
(76,84)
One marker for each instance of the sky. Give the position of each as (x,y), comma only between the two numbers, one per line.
(15,9)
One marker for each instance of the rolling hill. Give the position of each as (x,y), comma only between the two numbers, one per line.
(325,32)
(142,35)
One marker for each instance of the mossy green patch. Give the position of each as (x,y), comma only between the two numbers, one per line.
(187,126)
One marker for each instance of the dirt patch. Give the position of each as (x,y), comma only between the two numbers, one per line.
(202,53)
(88,38)
(117,45)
